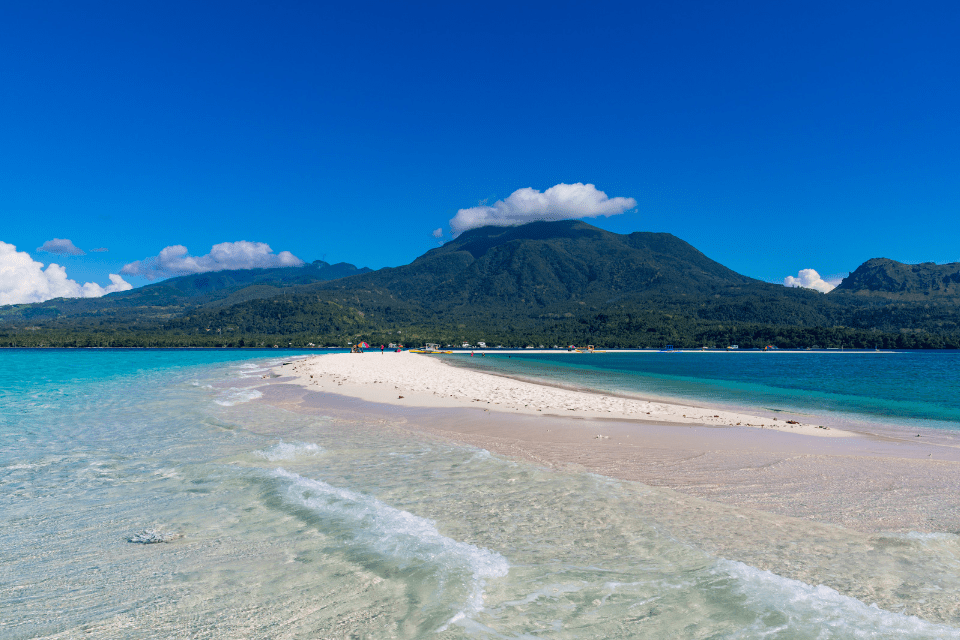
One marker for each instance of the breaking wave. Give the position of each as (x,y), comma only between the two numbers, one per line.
(233,395)
(398,535)
(819,611)
(289,451)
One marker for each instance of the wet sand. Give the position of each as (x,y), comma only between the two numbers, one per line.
(866,482)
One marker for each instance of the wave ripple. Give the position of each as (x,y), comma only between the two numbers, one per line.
(399,535)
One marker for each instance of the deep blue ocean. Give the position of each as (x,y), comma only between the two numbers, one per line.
(156,494)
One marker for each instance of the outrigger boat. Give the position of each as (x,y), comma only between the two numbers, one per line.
(429,348)
(589,349)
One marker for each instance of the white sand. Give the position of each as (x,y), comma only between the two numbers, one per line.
(425,381)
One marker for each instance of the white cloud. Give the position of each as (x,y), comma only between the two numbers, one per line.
(810,279)
(61,246)
(93,290)
(22,279)
(437,233)
(559,202)
(175,261)
(100,250)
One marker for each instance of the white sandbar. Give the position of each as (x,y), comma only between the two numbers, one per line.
(409,379)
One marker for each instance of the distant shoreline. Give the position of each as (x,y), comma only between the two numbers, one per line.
(602,351)
(511,351)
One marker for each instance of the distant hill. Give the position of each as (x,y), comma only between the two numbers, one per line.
(205,283)
(892,296)
(203,288)
(176,295)
(560,278)
(548,263)
(564,282)
(892,279)
(571,267)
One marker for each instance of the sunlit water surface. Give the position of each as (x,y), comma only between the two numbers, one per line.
(362,530)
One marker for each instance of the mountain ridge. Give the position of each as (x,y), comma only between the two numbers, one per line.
(558,282)
(199,289)
(892,279)
(544,263)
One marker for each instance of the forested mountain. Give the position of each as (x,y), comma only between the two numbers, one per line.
(902,297)
(568,268)
(896,280)
(175,296)
(542,283)
(544,264)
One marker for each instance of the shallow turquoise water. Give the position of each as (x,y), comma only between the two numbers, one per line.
(284,525)
(910,388)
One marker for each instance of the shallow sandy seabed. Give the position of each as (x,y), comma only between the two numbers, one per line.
(868,482)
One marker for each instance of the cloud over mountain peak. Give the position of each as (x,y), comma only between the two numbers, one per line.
(175,260)
(559,202)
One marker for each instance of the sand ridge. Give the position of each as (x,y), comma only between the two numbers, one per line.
(409,379)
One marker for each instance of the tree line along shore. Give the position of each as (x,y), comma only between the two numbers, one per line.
(605,333)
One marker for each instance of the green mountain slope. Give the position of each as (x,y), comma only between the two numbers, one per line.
(541,283)
(558,269)
(544,264)
(896,280)
(173,297)
(557,281)
(896,297)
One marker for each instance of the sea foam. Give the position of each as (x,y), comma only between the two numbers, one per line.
(821,611)
(289,451)
(398,534)
(233,395)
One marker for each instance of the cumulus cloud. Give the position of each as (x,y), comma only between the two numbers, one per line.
(437,233)
(176,261)
(559,202)
(810,279)
(61,247)
(93,290)
(23,279)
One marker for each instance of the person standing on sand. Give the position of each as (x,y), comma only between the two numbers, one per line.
(381,349)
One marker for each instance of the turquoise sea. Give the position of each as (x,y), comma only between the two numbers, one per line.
(150,494)
(906,388)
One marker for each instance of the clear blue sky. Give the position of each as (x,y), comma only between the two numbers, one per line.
(772,136)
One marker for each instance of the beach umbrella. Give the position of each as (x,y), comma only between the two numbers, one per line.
(363,345)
